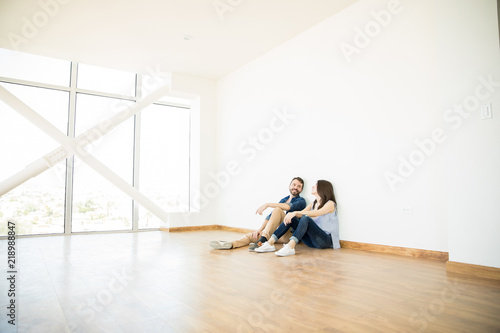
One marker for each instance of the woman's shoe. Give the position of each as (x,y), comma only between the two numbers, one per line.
(286,250)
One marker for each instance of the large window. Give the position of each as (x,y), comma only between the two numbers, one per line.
(148,152)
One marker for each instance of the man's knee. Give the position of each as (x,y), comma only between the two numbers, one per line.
(250,237)
(278,212)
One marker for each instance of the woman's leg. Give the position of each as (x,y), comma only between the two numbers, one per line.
(311,234)
(300,231)
(318,238)
(285,238)
(282,229)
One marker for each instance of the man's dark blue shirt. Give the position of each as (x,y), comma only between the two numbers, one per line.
(296,204)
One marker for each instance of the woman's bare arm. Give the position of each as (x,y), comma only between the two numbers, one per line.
(329,207)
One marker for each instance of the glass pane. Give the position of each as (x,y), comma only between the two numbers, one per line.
(22,141)
(24,66)
(97,204)
(38,204)
(106,80)
(91,110)
(164,160)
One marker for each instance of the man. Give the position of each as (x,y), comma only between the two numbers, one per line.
(291,203)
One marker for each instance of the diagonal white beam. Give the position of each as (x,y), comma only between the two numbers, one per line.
(76,146)
(59,154)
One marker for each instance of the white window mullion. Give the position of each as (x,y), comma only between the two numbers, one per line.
(137,147)
(70,161)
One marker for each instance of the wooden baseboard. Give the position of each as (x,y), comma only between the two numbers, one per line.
(404,251)
(207,227)
(190,228)
(474,270)
(240,230)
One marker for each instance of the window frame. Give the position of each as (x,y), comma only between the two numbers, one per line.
(73,90)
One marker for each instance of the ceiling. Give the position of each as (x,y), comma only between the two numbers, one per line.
(148,35)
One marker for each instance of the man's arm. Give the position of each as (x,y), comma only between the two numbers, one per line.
(297,204)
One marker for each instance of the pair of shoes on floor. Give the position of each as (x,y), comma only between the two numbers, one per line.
(221,245)
(254,246)
(286,250)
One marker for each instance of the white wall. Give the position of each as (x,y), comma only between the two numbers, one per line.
(203,149)
(305,109)
(472,155)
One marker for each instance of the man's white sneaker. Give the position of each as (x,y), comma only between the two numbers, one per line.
(285,251)
(221,245)
(266,247)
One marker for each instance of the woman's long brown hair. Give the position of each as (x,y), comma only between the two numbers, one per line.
(325,191)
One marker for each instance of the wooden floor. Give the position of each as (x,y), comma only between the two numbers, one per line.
(173,282)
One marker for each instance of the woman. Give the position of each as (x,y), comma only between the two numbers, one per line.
(318,226)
